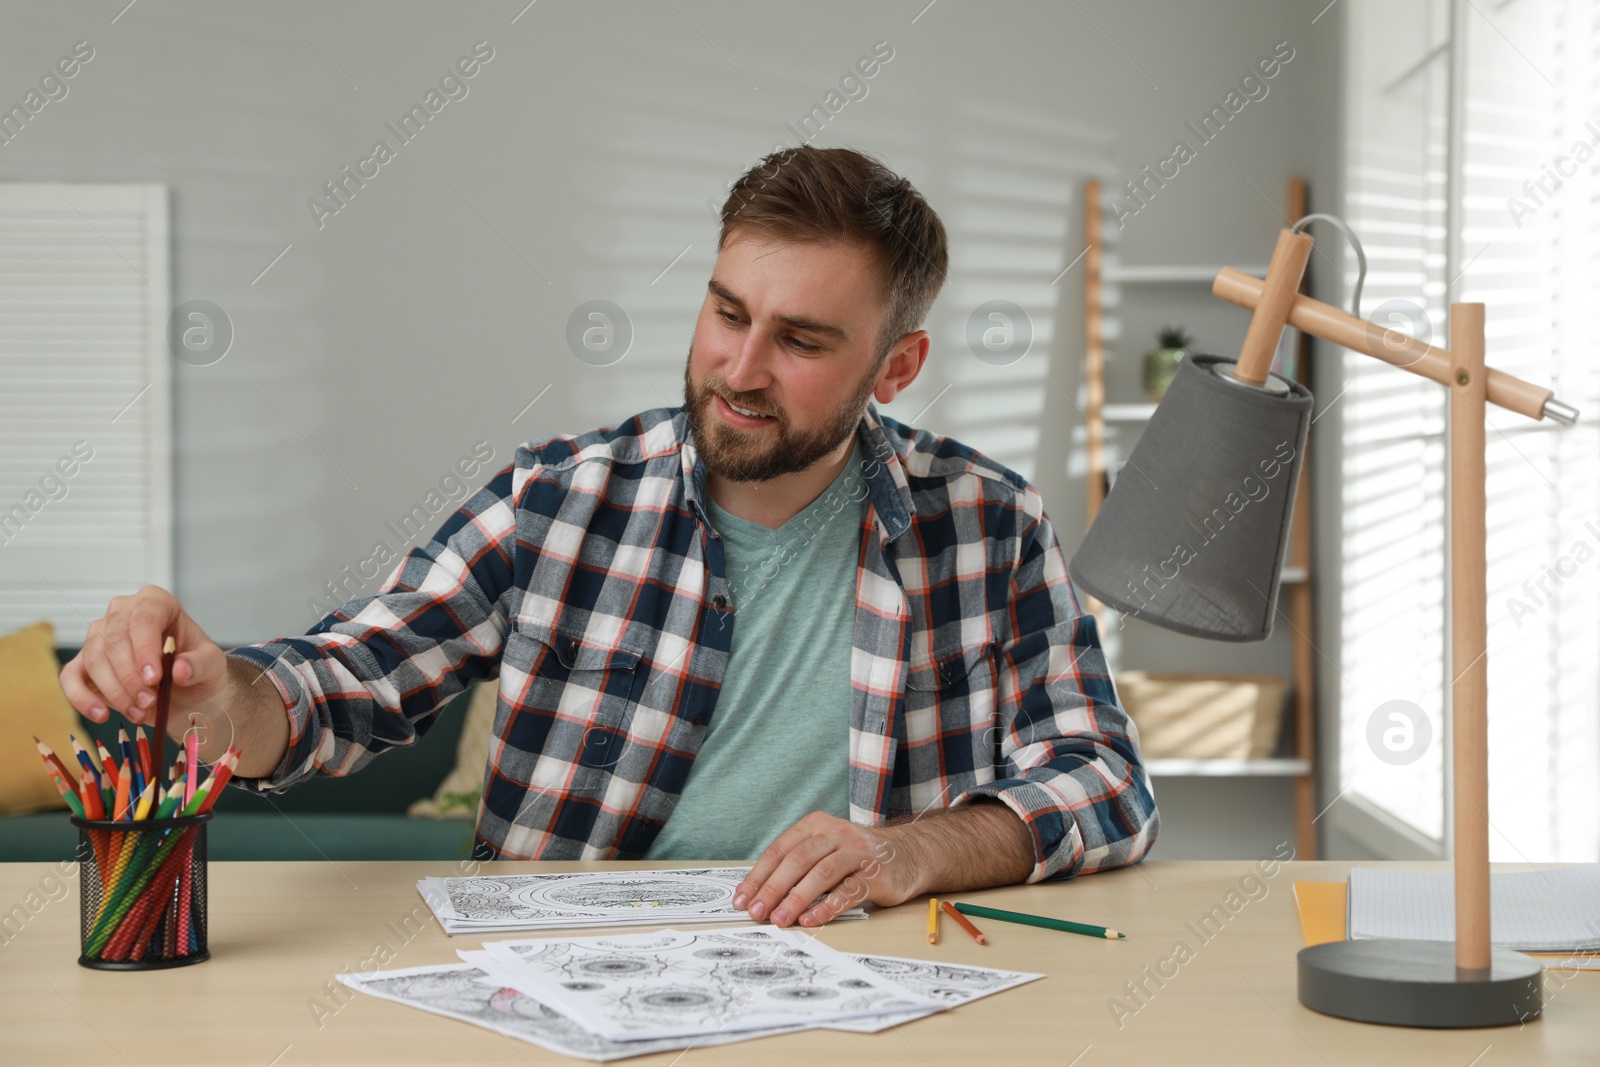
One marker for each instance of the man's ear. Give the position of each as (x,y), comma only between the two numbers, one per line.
(902,367)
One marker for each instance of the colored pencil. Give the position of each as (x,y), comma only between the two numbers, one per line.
(53,761)
(86,760)
(209,792)
(977,935)
(146,798)
(169,652)
(69,794)
(124,784)
(130,760)
(933,920)
(1042,921)
(191,769)
(142,746)
(93,807)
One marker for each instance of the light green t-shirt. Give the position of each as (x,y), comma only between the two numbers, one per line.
(778,745)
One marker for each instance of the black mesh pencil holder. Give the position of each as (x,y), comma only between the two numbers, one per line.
(142,892)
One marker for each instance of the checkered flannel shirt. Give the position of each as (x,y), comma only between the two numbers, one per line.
(587,578)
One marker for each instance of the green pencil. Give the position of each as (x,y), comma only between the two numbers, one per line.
(1039,920)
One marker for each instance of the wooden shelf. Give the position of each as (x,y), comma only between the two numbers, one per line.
(1127,412)
(1171,274)
(1295,579)
(1227,768)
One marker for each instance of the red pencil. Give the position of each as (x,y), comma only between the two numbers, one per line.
(219,778)
(53,761)
(93,806)
(142,746)
(977,935)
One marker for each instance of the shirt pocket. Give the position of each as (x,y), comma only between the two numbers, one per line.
(951,690)
(573,696)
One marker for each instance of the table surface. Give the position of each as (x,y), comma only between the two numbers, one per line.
(280,931)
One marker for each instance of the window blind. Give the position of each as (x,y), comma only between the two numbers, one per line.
(85,406)
(1526,243)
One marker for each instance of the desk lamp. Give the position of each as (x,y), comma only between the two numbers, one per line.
(1193,537)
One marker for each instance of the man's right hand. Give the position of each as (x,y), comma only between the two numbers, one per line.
(120,664)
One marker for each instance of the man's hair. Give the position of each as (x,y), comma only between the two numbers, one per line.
(828,194)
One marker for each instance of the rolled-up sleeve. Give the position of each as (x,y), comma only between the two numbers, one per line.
(1070,755)
(373,674)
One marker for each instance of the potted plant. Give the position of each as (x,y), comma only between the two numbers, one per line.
(1160,364)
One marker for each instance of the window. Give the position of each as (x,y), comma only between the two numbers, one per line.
(85,419)
(1467,185)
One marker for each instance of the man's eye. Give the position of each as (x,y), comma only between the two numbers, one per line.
(728,316)
(802,345)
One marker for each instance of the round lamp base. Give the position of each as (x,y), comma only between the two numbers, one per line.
(1415,983)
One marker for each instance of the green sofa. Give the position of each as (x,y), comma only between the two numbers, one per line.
(361,817)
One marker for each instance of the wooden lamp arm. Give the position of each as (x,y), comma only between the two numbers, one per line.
(1271,309)
(1391,346)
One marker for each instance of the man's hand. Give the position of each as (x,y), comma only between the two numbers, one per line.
(975,846)
(120,664)
(820,855)
(227,701)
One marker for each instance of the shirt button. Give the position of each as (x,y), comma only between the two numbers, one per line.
(698,720)
(719,602)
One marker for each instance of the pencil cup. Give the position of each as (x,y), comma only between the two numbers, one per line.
(142,892)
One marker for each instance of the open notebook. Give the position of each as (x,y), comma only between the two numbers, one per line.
(1553,910)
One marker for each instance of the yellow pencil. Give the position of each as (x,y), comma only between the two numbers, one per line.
(933,920)
(145,800)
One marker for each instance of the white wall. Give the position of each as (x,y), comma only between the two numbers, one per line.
(427,313)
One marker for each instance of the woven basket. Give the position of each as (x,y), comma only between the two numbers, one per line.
(1204,716)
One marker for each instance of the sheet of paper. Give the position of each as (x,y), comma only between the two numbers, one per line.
(487,903)
(949,983)
(695,983)
(464,992)
(1551,910)
(953,984)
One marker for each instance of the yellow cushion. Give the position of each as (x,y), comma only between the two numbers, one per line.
(31,702)
(458,795)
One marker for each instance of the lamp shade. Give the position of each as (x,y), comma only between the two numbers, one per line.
(1193,534)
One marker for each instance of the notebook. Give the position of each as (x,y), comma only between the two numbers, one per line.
(1553,910)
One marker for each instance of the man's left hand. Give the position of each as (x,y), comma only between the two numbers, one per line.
(829,858)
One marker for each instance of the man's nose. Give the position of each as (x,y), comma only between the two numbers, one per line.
(751,369)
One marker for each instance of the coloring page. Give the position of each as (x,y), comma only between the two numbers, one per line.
(948,983)
(683,983)
(464,992)
(593,898)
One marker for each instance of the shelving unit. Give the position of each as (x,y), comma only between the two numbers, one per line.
(1295,598)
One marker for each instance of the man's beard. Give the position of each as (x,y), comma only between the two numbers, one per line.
(742,457)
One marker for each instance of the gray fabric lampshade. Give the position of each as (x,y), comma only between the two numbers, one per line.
(1192,536)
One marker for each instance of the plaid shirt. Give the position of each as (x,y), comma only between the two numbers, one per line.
(586,577)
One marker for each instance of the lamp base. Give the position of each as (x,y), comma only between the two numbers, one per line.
(1415,983)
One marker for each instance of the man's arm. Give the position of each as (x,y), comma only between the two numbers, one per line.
(373,674)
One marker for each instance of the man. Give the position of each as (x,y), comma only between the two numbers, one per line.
(770,610)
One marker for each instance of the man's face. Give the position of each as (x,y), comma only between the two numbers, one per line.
(782,365)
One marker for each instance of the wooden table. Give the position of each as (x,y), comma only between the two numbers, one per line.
(280,931)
